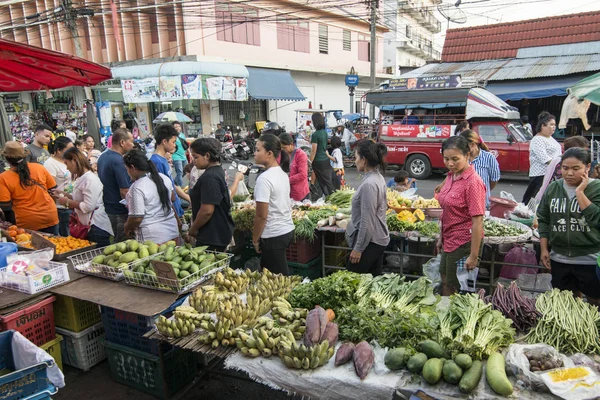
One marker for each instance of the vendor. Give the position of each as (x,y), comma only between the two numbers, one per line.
(273,225)
(462,198)
(367,233)
(24,188)
(149,201)
(298,168)
(212,224)
(483,161)
(569,221)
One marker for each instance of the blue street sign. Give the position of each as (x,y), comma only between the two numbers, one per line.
(351,80)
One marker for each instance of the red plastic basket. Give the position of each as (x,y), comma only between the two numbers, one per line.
(35,322)
(303,251)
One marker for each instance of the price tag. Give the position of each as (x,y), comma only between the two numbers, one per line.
(19,266)
(164,272)
(39,242)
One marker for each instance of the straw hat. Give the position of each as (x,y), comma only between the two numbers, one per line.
(13,149)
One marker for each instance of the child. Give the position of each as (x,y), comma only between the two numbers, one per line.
(337,162)
(401,182)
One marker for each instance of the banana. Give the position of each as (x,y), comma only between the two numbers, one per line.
(266,352)
(250,342)
(254,352)
(314,362)
(305,363)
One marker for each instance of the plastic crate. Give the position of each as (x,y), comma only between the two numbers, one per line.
(83,349)
(75,315)
(54,274)
(160,376)
(53,348)
(311,270)
(303,251)
(336,257)
(126,329)
(26,382)
(35,322)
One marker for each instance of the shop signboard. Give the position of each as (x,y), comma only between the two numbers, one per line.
(191,86)
(170,88)
(417,131)
(140,90)
(426,82)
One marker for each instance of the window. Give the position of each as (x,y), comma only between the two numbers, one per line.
(364,49)
(347,39)
(153,21)
(172,25)
(88,33)
(408,31)
(237,24)
(493,133)
(293,35)
(323,40)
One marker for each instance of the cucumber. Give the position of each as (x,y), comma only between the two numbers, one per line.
(464,361)
(471,377)
(496,375)
(432,371)
(416,362)
(432,349)
(451,372)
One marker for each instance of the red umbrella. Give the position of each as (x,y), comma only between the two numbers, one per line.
(24,67)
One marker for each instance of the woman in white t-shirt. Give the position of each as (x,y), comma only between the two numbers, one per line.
(149,201)
(273,225)
(86,199)
(543,148)
(58,169)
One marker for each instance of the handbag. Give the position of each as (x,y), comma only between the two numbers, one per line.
(76,228)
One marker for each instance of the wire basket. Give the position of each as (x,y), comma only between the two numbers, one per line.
(83,263)
(522,238)
(175,285)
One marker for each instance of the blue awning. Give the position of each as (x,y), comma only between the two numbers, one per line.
(429,106)
(532,88)
(272,84)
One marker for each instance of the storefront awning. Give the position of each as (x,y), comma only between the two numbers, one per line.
(532,88)
(180,68)
(272,84)
(429,106)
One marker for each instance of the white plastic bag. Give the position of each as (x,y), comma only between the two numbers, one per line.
(27,354)
(431,269)
(467,279)
(507,196)
(242,190)
(584,388)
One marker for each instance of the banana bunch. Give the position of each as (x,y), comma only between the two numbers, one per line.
(231,281)
(300,356)
(285,314)
(271,286)
(190,313)
(273,328)
(253,276)
(426,203)
(243,314)
(206,298)
(175,328)
(264,341)
(221,333)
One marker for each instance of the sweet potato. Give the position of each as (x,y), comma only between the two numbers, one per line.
(363,358)
(316,323)
(331,334)
(344,353)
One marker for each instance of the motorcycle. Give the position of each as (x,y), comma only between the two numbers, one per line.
(228,150)
(251,171)
(242,149)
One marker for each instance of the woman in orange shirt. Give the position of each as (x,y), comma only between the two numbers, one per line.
(24,189)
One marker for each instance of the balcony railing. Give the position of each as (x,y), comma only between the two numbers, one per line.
(419,49)
(423,16)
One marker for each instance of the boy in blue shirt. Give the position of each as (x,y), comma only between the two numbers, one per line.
(401,182)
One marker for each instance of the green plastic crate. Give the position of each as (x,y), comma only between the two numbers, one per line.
(311,270)
(75,315)
(160,376)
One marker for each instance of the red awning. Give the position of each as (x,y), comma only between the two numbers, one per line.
(24,67)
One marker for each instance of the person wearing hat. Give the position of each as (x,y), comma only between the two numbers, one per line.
(24,188)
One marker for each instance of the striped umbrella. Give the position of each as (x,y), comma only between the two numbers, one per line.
(171,116)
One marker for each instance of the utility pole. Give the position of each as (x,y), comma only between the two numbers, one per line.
(70,21)
(373,4)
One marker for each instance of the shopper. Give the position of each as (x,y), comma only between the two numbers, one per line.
(37,149)
(347,139)
(462,198)
(70,132)
(402,182)
(58,169)
(149,201)
(526,124)
(114,125)
(337,162)
(542,149)
(569,223)
(485,163)
(90,147)
(24,190)
(165,137)
(298,175)
(461,127)
(86,199)
(212,224)
(318,155)
(367,234)
(179,158)
(273,226)
(113,175)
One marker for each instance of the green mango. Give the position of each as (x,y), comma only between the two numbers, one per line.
(221,256)
(143,252)
(110,249)
(122,247)
(193,269)
(117,254)
(175,265)
(152,248)
(123,266)
(200,249)
(210,257)
(176,271)
(162,248)
(186,265)
(149,243)
(128,257)
(171,243)
(98,259)
(140,269)
(169,254)
(183,274)
(133,245)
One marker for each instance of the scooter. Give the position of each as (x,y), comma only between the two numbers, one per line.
(251,171)
(242,149)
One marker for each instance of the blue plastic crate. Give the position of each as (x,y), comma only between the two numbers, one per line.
(26,382)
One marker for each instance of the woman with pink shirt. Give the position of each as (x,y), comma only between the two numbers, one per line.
(298,167)
(462,198)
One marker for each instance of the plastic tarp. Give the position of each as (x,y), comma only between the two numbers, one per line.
(533,88)
(483,104)
(272,84)
(416,97)
(588,88)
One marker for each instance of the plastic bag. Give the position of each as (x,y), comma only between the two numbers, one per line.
(518,363)
(431,269)
(467,278)
(27,354)
(584,360)
(507,196)
(518,255)
(577,383)
(242,190)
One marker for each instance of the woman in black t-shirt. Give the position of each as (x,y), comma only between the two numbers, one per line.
(212,224)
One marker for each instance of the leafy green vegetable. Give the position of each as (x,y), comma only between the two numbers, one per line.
(428,228)
(319,214)
(493,228)
(335,291)
(243,219)
(305,229)
(238,198)
(395,225)
(341,198)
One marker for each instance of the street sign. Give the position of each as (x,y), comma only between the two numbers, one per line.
(351,80)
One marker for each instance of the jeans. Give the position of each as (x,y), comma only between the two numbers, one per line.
(51,229)
(117,221)
(179,164)
(272,253)
(347,144)
(64,215)
(99,236)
